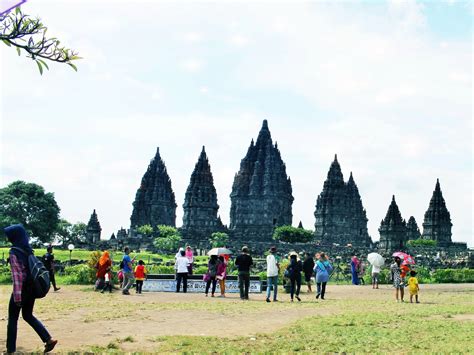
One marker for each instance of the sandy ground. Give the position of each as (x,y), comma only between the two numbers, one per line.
(79,318)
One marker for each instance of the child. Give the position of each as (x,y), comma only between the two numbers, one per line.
(413,286)
(120,278)
(140,275)
(108,281)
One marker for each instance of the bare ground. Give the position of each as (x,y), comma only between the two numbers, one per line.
(80,319)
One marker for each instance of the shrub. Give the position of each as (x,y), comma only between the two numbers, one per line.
(422,243)
(79,274)
(289,234)
(219,239)
(453,275)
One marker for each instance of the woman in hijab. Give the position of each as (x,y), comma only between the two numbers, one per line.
(355,270)
(190,256)
(22,297)
(105,265)
(212,274)
(294,273)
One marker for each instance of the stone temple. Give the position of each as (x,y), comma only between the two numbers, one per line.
(437,223)
(340,215)
(393,230)
(155,202)
(93,229)
(413,232)
(200,206)
(261,197)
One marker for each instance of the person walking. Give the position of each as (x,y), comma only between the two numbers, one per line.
(221,274)
(243,262)
(140,276)
(190,256)
(375,276)
(308,267)
(355,270)
(294,273)
(398,281)
(211,274)
(127,272)
(108,282)
(322,269)
(104,265)
(48,261)
(181,267)
(22,298)
(273,268)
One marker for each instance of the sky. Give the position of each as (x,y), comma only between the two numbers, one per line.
(385,85)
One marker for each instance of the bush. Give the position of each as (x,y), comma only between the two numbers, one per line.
(168,244)
(289,234)
(453,275)
(219,239)
(80,274)
(422,243)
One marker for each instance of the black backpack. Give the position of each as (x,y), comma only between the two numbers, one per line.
(38,275)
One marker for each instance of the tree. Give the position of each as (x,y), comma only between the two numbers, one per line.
(289,234)
(68,233)
(146,230)
(28,204)
(219,239)
(168,239)
(29,34)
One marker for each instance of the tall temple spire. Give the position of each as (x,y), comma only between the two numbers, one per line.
(340,215)
(93,229)
(413,232)
(155,202)
(261,197)
(200,206)
(437,222)
(393,232)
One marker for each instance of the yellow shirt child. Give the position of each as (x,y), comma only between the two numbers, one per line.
(413,286)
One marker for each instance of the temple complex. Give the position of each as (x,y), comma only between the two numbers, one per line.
(155,202)
(393,230)
(413,232)
(340,215)
(200,206)
(261,197)
(437,223)
(93,229)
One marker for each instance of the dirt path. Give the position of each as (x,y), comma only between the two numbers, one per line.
(80,318)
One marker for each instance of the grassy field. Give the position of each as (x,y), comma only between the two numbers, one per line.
(352,319)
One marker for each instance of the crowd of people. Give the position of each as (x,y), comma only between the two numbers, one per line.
(23,295)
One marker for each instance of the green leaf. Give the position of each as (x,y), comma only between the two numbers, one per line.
(17,10)
(18,51)
(72,66)
(42,62)
(39,67)
(6,42)
(75,57)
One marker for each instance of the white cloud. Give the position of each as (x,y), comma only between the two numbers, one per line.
(191,65)
(239,40)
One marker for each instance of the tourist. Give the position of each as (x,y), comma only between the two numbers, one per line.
(273,267)
(108,281)
(22,298)
(103,266)
(243,262)
(413,287)
(361,272)
(323,269)
(355,270)
(140,276)
(375,276)
(294,274)
(48,261)
(120,277)
(127,272)
(308,266)
(222,274)
(211,274)
(398,282)
(190,256)
(181,267)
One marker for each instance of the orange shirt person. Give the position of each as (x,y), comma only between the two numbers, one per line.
(140,275)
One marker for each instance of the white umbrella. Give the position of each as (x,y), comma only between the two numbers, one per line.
(376,259)
(219,251)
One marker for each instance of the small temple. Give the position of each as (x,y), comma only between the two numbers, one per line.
(93,229)
(413,232)
(340,215)
(393,230)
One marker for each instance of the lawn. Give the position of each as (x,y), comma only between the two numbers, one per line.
(352,319)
